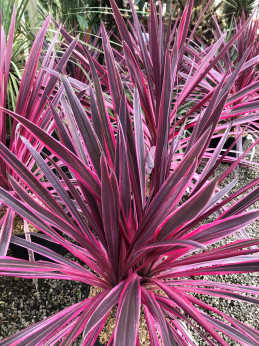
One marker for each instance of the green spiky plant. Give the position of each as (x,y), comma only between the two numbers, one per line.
(81,15)
(235,8)
(17,37)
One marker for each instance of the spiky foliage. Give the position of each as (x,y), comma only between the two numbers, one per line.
(31,104)
(235,8)
(81,15)
(17,38)
(243,94)
(195,76)
(138,243)
(204,30)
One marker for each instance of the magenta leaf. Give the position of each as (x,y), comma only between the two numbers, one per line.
(128,314)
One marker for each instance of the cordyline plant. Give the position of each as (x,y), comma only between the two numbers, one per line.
(138,241)
(141,65)
(35,89)
(243,99)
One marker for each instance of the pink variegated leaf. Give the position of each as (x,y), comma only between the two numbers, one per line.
(121,25)
(140,147)
(92,336)
(137,78)
(6,231)
(55,182)
(186,212)
(243,93)
(242,204)
(96,120)
(110,213)
(163,329)
(167,305)
(113,76)
(80,169)
(217,230)
(32,217)
(155,310)
(158,206)
(233,332)
(61,128)
(103,114)
(31,181)
(93,220)
(249,334)
(155,51)
(183,303)
(30,69)
(132,156)
(9,264)
(247,264)
(128,314)
(104,307)
(224,294)
(81,325)
(171,244)
(143,48)
(151,327)
(123,169)
(91,141)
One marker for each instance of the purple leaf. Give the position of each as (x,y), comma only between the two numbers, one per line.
(128,313)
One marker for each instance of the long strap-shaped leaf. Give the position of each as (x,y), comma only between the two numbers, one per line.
(187,211)
(84,174)
(32,217)
(156,312)
(158,207)
(94,220)
(203,259)
(103,114)
(221,228)
(140,147)
(183,303)
(126,126)
(6,231)
(151,328)
(30,68)
(54,181)
(128,313)
(34,184)
(121,25)
(241,332)
(61,128)
(124,179)
(113,75)
(110,214)
(104,307)
(88,134)
(205,67)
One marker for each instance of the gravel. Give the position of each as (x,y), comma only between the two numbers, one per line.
(21,304)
